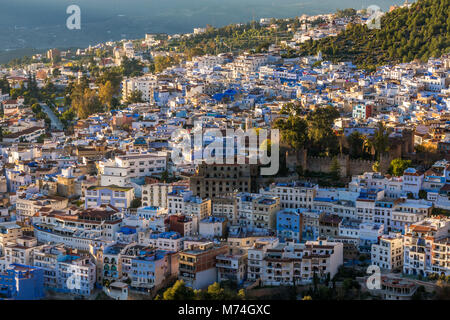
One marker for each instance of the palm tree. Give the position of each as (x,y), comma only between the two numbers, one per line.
(380,140)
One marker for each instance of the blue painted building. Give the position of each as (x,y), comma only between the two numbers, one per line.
(149,212)
(289,225)
(21,282)
(118,197)
(150,268)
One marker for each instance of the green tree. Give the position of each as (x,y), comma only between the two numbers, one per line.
(136,203)
(36,108)
(179,291)
(106,93)
(398,166)
(85,102)
(41,138)
(321,135)
(293,131)
(423,194)
(376,166)
(216,292)
(356,144)
(131,67)
(164,62)
(113,75)
(419,294)
(165,176)
(135,97)
(241,294)
(380,140)
(335,169)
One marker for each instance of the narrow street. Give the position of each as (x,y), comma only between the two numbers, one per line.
(56,123)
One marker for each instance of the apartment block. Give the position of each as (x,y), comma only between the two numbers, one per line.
(426,247)
(297,263)
(388,253)
(290,225)
(119,197)
(231,268)
(197,265)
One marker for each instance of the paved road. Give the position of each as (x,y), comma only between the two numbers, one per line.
(56,123)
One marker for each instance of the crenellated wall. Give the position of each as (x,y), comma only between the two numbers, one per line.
(347,165)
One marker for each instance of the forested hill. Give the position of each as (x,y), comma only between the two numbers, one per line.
(419,32)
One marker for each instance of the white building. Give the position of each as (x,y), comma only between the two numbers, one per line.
(412,181)
(291,263)
(426,247)
(388,253)
(76,274)
(293,195)
(409,212)
(170,241)
(211,227)
(145,85)
(143,164)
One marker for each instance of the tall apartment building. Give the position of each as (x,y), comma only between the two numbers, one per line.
(246,64)
(197,265)
(211,227)
(296,263)
(427,247)
(210,181)
(388,253)
(329,225)
(232,268)
(290,225)
(256,211)
(264,213)
(408,212)
(109,262)
(46,257)
(76,274)
(183,202)
(256,256)
(145,85)
(119,197)
(151,267)
(366,203)
(112,174)
(22,282)
(9,233)
(184,225)
(155,194)
(143,164)
(21,251)
(412,181)
(169,240)
(225,207)
(293,195)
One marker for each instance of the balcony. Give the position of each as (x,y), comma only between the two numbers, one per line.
(225,265)
(186,268)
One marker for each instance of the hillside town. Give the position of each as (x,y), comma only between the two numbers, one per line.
(92,201)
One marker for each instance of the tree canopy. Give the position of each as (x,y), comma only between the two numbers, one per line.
(419,32)
(398,166)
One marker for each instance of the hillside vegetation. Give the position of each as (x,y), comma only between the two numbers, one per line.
(419,32)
